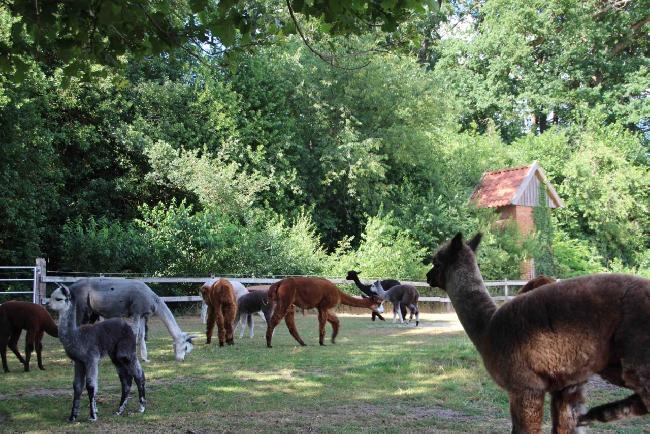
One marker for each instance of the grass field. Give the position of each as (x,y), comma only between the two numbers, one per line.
(379,377)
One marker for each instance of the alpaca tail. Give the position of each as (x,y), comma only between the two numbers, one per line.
(273,290)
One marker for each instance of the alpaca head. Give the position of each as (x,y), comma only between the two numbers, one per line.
(183,346)
(377,289)
(448,255)
(352,275)
(61,299)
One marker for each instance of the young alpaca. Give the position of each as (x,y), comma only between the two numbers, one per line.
(310,293)
(399,296)
(222,308)
(554,338)
(16,316)
(254,302)
(85,345)
(386,284)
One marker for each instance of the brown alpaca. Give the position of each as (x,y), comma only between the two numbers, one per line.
(554,338)
(310,293)
(222,308)
(16,316)
(535,282)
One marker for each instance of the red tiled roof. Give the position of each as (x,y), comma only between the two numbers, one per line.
(498,188)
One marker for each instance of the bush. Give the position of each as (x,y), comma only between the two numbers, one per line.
(105,246)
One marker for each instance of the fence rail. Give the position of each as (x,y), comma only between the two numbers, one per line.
(40,280)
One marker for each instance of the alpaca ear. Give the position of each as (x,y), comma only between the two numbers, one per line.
(456,243)
(475,241)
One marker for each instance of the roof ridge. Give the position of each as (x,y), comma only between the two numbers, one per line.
(508,169)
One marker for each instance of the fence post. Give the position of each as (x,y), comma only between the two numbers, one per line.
(39,285)
(505,287)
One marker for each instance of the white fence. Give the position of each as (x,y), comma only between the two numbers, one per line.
(40,280)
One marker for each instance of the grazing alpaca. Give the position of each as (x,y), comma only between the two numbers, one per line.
(399,296)
(85,345)
(310,293)
(16,316)
(254,302)
(239,291)
(222,308)
(554,338)
(386,284)
(115,298)
(535,282)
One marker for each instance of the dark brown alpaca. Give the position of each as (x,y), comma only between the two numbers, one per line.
(535,282)
(554,338)
(310,293)
(222,308)
(16,316)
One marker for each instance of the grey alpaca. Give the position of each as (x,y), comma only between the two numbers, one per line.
(86,345)
(112,297)
(400,295)
(254,302)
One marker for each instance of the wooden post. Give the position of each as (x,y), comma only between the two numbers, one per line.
(39,285)
(505,287)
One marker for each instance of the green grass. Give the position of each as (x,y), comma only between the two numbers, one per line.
(379,377)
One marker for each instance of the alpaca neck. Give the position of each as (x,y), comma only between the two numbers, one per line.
(360,285)
(355,301)
(68,328)
(380,290)
(471,301)
(168,319)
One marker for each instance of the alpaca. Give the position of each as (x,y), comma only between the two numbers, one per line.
(85,345)
(554,338)
(114,297)
(16,316)
(239,291)
(386,284)
(399,296)
(535,282)
(309,293)
(256,301)
(222,308)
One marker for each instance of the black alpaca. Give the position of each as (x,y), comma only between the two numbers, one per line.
(254,302)
(386,284)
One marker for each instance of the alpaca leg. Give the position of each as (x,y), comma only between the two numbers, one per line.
(249,320)
(526,411)
(92,371)
(13,344)
(29,347)
(229,316)
(126,381)
(3,353)
(38,342)
(289,319)
(77,387)
(334,321)
(221,331)
(566,407)
(322,320)
(210,325)
(239,321)
(135,370)
(631,406)
(262,315)
(278,313)
(204,312)
(140,325)
(402,310)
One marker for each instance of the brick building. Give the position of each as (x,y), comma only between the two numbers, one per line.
(513,193)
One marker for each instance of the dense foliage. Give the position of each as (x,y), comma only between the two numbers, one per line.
(283,163)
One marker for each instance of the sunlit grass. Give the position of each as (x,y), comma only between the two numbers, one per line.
(379,377)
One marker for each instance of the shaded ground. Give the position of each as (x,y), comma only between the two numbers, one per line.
(379,377)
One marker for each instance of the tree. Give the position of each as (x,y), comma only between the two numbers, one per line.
(75,35)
